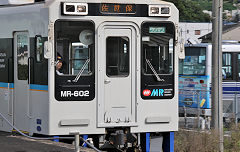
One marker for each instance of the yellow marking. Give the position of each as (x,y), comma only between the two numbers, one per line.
(202,102)
(25,132)
(38,90)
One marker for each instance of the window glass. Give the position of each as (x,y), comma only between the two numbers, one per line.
(39,48)
(194,62)
(238,66)
(74,48)
(227,66)
(197,32)
(22,56)
(157,50)
(79,55)
(117,56)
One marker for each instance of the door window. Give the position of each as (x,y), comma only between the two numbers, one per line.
(117,56)
(22,56)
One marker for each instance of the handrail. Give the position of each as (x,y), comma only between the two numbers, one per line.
(29,70)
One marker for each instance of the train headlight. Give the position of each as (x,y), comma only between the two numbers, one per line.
(154,10)
(75,8)
(159,10)
(81,8)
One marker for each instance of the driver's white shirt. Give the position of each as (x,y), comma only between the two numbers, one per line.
(59,73)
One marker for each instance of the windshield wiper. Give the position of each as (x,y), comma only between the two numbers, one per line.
(153,70)
(81,71)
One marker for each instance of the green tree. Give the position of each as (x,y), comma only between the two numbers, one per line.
(227,4)
(190,11)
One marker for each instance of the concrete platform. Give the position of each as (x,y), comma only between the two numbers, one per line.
(18,143)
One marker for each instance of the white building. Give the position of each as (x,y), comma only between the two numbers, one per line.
(190,32)
(229,14)
(235,12)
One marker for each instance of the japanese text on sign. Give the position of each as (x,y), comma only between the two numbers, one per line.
(118,8)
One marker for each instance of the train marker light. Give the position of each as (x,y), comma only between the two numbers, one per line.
(159,10)
(75,8)
(165,10)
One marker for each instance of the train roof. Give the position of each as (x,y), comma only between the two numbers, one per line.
(28,7)
(210,44)
(226,47)
(14,3)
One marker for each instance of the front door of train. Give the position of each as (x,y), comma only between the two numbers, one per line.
(21,94)
(116,74)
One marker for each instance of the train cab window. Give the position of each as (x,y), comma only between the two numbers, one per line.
(22,56)
(117,56)
(227,73)
(194,62)
(157,59)
(157,52)
(75,48)
(74,60)
(39,48)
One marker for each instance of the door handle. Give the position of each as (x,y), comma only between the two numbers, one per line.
(106,81)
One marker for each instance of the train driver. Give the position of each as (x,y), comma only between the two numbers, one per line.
(59,65)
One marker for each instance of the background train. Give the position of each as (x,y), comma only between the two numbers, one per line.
(195,78)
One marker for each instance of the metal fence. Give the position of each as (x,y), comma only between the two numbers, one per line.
(195,108)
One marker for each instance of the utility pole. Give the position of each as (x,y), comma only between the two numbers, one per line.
(217,108)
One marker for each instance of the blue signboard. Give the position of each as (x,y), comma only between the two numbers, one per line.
(194,91)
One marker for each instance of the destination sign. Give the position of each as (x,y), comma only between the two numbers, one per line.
(109,8)
(157,29)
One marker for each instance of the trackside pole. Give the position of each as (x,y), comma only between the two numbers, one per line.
(77,140)
(217,105)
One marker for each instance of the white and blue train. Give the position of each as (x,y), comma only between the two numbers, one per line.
(195,77)
(93,67)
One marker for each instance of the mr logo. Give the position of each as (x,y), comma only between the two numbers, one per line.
(154,92)
(157,92)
